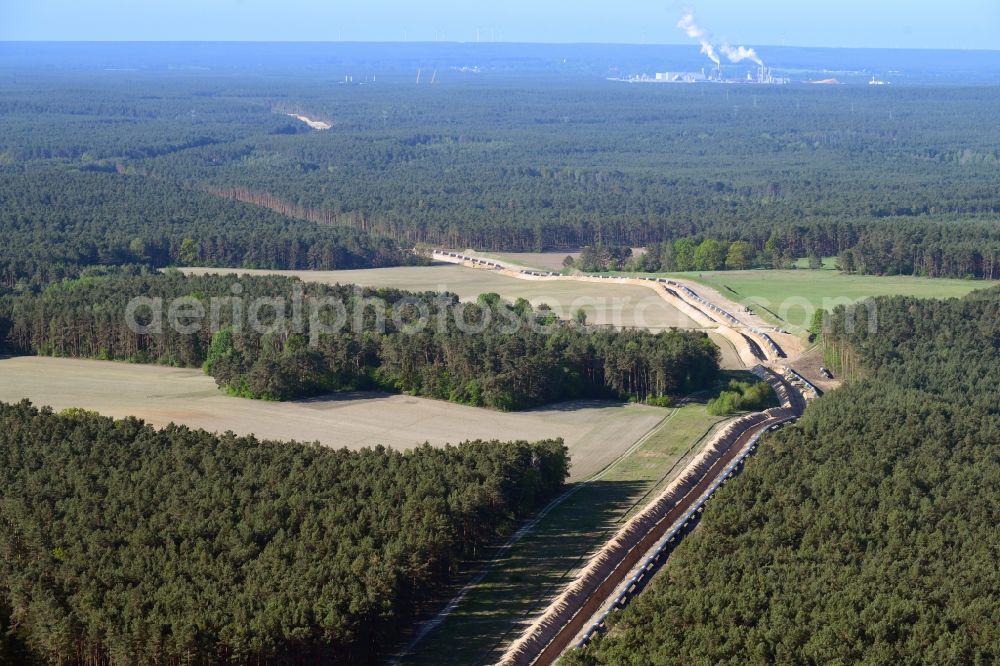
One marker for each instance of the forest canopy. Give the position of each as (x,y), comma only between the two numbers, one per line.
(57,222)
(127,544)
(895,181)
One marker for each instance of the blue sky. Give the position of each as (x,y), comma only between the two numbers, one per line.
(970,24)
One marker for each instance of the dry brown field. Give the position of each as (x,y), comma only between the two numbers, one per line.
(597,433)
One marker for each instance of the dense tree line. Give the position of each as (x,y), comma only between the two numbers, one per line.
(683,254)
(930,250)
(965,250)
(710,254)
(56,222)
(676,165)
(488,353)
(126,544)
(864,534)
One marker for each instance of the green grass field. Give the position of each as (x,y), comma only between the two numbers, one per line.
(536,567)
(788,297)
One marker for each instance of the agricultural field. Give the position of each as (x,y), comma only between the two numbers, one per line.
(617,305)
(496,607)
(597,433)
(788,298)
(605,304)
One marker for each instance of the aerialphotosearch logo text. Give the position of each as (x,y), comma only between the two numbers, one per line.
(318,315)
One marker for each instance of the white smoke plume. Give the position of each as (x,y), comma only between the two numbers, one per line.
(740,53)
(737,54)
(692,30)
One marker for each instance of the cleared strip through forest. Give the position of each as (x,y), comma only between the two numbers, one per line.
(523,581)
(549,636)
(554,630)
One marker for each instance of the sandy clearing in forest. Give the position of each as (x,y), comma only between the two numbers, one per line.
(597,433)
(315,124)
(791,344)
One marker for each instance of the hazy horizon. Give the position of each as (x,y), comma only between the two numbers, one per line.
(472,43)
(967,25)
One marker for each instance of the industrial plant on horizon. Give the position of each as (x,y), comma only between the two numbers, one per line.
(762,76)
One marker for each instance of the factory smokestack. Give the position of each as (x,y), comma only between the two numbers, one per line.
(692,30)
